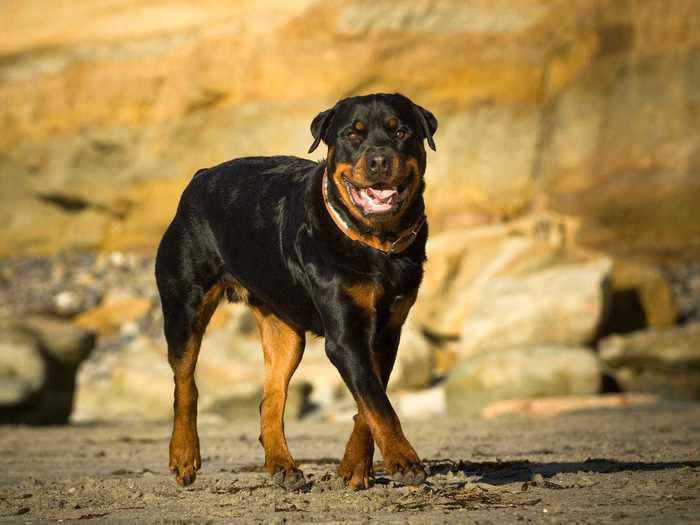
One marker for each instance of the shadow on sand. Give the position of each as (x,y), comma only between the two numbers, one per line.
(502,472)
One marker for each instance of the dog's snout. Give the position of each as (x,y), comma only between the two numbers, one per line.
(378,164)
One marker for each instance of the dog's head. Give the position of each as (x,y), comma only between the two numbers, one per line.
(376,158)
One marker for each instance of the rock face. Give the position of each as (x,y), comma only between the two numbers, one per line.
(664,362)
(557,305)
(521,373)
(39,360)
(494,287)
(108,110)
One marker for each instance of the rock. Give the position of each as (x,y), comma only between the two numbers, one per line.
(597,113)
(563,305)
(40,357)
(422,405)
(108,317)
(604,162)
(137,383)
(22,369)
(298,400)
(68,303)
(554,406)
(134,383)
(237,406)
(316,369)
(649,288)
(663,362)
(413,368)
(67,343)
(521,373)
(462,263)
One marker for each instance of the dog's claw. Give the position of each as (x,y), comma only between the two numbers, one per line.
(420,477)
(185,461)
(359,476)
(185,475)
(413,475)
(289,479)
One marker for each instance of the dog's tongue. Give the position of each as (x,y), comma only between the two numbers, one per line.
(381,195)
(374,200)
(377,201)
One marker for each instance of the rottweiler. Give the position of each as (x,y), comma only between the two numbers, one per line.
(334,247)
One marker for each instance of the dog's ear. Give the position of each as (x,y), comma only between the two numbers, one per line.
(319,126)
(428,123)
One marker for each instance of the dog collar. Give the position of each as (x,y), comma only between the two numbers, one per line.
(403,240)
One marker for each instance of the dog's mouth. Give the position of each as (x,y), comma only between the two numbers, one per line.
(378,199)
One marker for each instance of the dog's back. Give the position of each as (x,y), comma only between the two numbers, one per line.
(232,226)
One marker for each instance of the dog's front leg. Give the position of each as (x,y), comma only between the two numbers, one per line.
(354,362)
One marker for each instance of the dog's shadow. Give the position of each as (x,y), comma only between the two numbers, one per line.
(504,472)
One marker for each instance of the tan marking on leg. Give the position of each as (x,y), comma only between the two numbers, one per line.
(283,348)
(365,295)
(185,457)
(400,309)
(386,430)
(356,466)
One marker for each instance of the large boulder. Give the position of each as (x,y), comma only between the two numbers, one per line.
(22,369)
(563,304)
(462,264)
(497,287)
(594,103)
(413,368)
(521,373)
(39,361)
(137,383)
(134,383)
(664,362)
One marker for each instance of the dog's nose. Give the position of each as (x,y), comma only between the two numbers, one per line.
(378,164)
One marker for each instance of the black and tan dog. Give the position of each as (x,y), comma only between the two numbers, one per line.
(335,248)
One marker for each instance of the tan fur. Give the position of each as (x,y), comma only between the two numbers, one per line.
(365,295)
(184,443)
(400,309)
(356,466)
(389,436)
(283,348)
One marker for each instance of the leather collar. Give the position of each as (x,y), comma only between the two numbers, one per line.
(403,239)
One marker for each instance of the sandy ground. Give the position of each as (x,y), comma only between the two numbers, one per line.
(624,466)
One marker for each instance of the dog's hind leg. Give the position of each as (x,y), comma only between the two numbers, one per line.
(283,348)
(185,323)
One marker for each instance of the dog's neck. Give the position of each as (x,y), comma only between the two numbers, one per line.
(390,244)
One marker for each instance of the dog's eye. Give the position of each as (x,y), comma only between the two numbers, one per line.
(353,135)
(400,134)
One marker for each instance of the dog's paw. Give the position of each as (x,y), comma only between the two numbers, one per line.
(405,469)
(289,478)
(358,476)
(185,460)
(412,475)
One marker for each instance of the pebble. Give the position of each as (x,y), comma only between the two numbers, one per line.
(537,479)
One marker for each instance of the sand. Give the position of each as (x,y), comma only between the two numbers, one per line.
(638,465)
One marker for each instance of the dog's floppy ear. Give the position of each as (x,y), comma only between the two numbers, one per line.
(428,123)
(319,126)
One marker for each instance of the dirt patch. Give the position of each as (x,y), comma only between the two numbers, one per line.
(624,466)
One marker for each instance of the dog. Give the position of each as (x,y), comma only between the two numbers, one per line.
(334,247)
